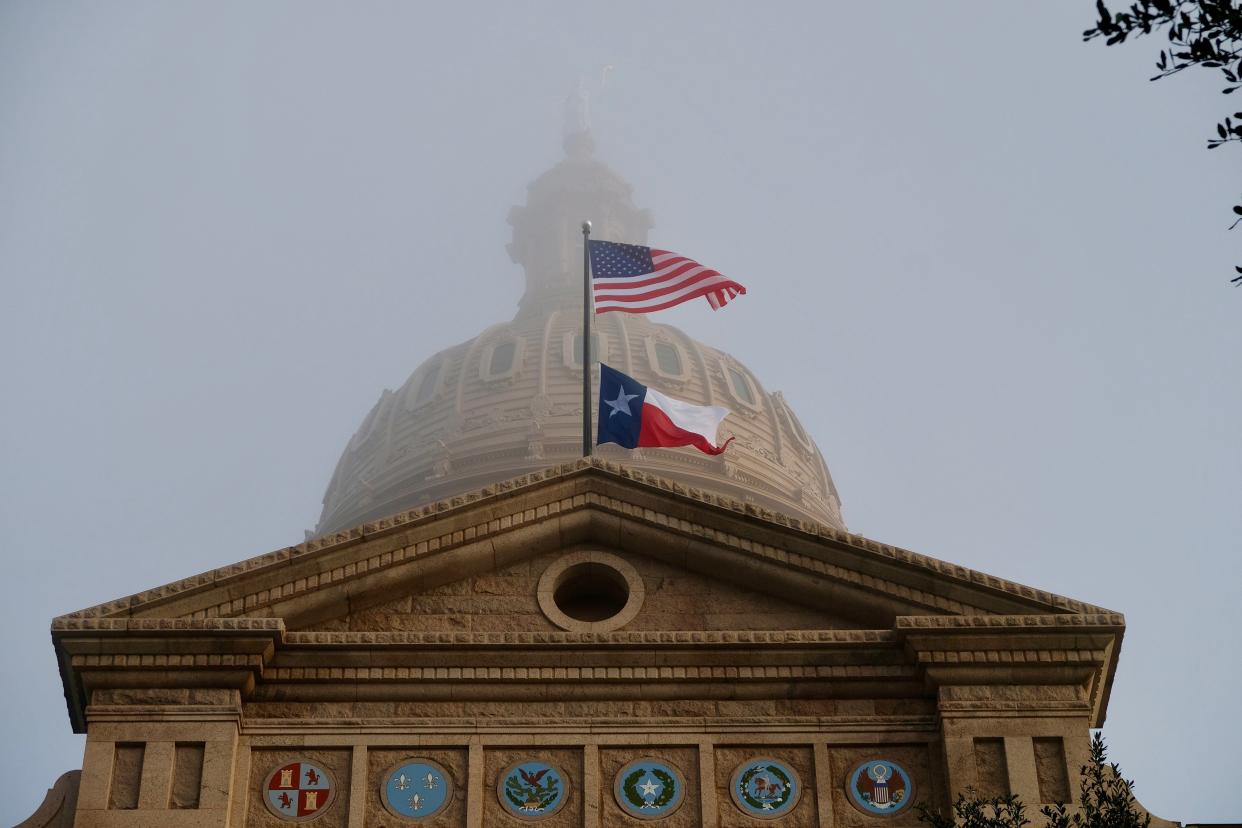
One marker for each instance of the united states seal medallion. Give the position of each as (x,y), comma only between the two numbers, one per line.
(649,788)
(879,786)
(532,789)
(416,789)
(765,788)
(298,791)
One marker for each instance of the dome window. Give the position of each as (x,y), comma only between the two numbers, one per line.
(665,359)
(427,385)
(668,358)
(794,426)
(501,360)
(571,349)
(739,383)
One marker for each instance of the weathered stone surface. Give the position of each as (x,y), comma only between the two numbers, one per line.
(1050,769)
(187,780)
(126,777)
(991,768)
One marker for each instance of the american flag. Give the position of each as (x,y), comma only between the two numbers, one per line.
(635,279)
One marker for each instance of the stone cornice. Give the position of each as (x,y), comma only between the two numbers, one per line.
(988,623)
(879,727)
(696,638)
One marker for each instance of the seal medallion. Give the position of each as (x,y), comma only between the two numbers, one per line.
(298,791)
(416,789)
(765,788)
(649,788)
(879,786)
(532,789)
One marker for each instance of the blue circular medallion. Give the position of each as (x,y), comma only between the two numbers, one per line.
(879,786)
(532,789)
(649,788)
(416,789)
(765,788)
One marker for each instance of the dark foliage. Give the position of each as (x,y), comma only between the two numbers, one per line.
(1201,33)
(1106,801)
(973,812)
(1107,797)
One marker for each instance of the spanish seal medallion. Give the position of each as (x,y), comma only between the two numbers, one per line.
(532,789)
(298,791)
(416,789)
(765,788)
(879,786)
(649,788)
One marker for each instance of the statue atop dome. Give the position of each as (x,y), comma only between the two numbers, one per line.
(578,109)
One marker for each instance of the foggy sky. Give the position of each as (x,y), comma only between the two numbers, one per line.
(987,265)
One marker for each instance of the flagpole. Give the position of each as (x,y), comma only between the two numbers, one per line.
(586,339)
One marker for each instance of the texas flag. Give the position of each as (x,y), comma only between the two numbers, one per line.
(633,415)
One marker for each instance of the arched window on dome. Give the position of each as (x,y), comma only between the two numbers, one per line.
(571,349)
(428,384)
(665,360)
(668,358)
(793,425)
(578,349)
(741,386)
(501,360)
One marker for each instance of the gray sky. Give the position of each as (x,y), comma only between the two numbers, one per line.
(987,265)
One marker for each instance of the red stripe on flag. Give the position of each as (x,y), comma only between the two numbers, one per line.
(616,305)
(658,430)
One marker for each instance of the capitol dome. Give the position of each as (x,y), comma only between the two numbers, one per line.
(509,401)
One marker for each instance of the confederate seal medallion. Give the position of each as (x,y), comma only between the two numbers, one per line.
(532,789)
(416,789)
(298,791)
(879,786)
(765,788)
(649,788)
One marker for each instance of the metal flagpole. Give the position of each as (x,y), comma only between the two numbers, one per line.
(586,339)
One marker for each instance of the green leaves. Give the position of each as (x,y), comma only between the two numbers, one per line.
(1106,800)
(1202,33)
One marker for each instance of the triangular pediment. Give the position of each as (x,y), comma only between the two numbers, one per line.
(510,599)
(584,504)
(729,593)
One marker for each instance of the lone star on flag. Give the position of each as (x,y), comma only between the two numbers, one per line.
(649,788)
(621,405)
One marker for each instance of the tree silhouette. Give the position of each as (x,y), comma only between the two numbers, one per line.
(1106,800)
(1202,33)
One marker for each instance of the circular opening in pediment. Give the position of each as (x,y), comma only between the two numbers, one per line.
(590,592)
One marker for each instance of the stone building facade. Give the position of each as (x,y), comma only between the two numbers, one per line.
(586,617)
(488,632)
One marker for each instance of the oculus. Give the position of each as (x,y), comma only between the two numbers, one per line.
(590,591)
(879,786)
(532,789)
(765,788)
(298,791)
(649,788)
(416,789)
